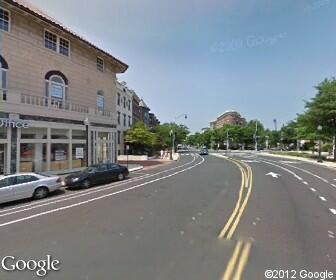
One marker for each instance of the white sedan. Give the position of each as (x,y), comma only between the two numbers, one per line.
(26,185)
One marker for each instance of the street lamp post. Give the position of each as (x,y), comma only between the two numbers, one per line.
(319,128)
(87,123)
(267,142)
(172,134)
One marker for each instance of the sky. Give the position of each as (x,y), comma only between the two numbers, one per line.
(261,58)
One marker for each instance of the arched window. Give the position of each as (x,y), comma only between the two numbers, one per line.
(100,101)
(56,86)
(3,78)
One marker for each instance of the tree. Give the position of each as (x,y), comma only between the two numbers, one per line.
(140,138)
(163,133)
(321,110)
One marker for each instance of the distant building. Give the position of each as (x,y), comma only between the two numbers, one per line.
(212,125)
(144,112)
(228,118)
(136,112)
(124,114)
(153,121)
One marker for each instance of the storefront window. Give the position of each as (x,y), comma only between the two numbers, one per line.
(59,157)
(3,133)
(103,135)
(2,158)
(79,134)
(78,155)
(34,133)
(103,152)
(33,157)
(59,134)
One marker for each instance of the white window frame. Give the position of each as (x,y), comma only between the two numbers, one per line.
(119,117)
(118,99)
(4,91)
(100,94)
(50,82)
(58,40)
(102,59)
(59,45)
(9,20)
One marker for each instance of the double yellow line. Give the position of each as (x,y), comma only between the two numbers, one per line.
(238,261)
(239,258)
(244,195)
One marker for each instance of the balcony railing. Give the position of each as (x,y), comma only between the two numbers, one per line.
(56,104)
(53,103)
(104,113)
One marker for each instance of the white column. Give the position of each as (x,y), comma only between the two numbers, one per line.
(18,149)
(70,149)
(48,148)
(8,153)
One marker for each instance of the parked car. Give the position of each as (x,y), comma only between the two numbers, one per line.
(203,152)
(97,174)
(26,185)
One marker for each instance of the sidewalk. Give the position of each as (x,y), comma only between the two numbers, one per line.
(328,164)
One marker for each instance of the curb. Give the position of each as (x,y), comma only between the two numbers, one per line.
(324,164)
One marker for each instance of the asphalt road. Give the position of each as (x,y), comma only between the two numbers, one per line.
(199,218)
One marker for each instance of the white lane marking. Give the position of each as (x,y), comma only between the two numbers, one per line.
(50,201)
(333,185)
(332,211)
(219,155)
(306,171)
(99,197)
(281,167)
(289,162)
(306,183)
(250,161)
(322,198)
(274,175)
(312,189)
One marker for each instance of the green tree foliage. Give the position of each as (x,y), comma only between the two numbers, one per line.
(139,137)
(164,137)
(320,110)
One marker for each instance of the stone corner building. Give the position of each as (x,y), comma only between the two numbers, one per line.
(228,118)
(51,81)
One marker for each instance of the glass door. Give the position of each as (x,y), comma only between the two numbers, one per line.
(2,159)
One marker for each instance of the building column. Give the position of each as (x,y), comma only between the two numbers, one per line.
(70,149)
(48,148)
(8,153)
(18,150)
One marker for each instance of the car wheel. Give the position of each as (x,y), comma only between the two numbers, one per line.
(40,193)
(121,176)
(86,184)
